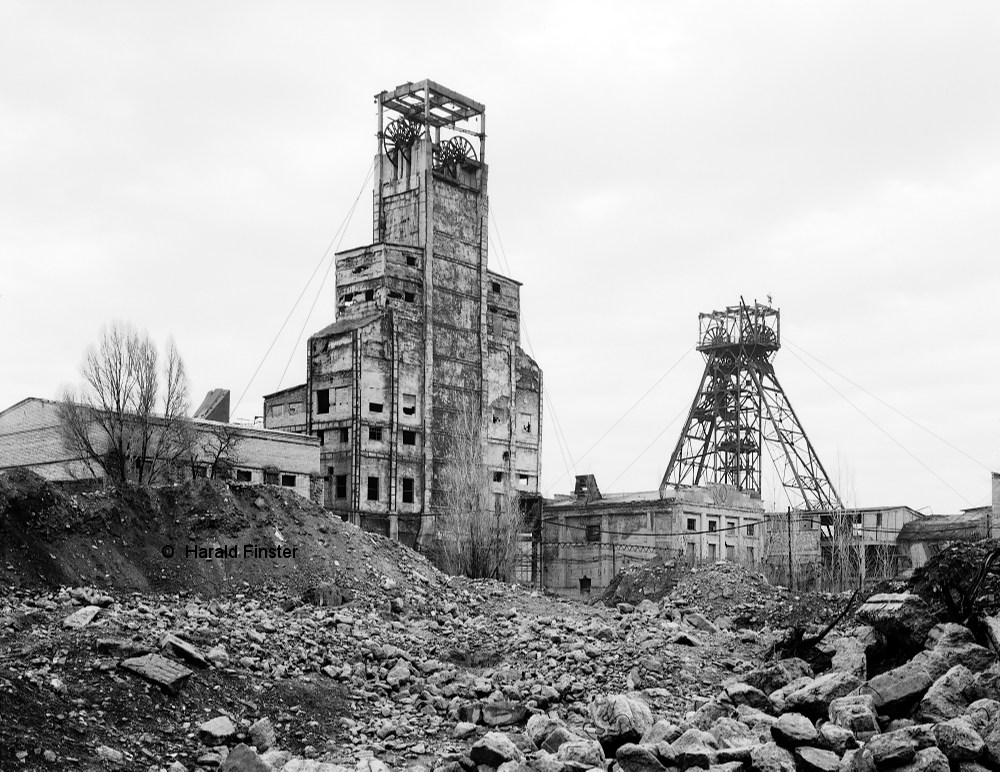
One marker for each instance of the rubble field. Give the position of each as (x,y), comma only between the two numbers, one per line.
(358,654)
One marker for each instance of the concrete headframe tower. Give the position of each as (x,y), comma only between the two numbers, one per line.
(740,408)
(425,334)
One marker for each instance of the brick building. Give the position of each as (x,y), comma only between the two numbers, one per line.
(424,331)
(30,438)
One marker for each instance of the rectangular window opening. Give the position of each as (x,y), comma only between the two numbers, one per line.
(409,438)
(498,477)
(345,434)
(374,407)
(288,480)
(692,524)
(409,403)
(323,401)
(373,489)
(375,433)
(593,533)
(411,261)
(526,422)
(369,294)
(495,287)
(407,490)
(523,480)
(271,478)
(750,529)
(341,486)
(712,526)
(243,475)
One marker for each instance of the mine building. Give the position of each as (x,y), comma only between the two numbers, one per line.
(425,334)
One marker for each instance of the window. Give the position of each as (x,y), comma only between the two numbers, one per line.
(878,519)
(750,529)
(199,471)
(345,434)
(526,422)
(373,489)
(409,438)
(731,526)
(374,407)
(409,403)
(243,475)
(495,287)
(690,551)
(277,410)
(293,409)
(411,261)
(271,478)
(347,297)
(692,524)
(375,433)
(341,486)
(323,401)
(409,297)
(713,552)
(288,480)
(730,552)
(369,294)
(407,490)
(496,325)
(498,477)
(713,526)
(593,533)
(322,436)
(523,480)
(750,555)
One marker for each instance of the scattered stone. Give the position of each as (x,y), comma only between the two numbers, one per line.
(620,719)
(262,735)
(836,738)
(176,645)
(166,673)
(695,748)
(856,713)
(494,749)
(110,754)
(244,759)
(927,760)
(81,618)
(958,740)
(771,757)
(638,758)
(892,748)
(815,697)
(793,729)
(948,697)
(217,731)
(817,760)
(503,713)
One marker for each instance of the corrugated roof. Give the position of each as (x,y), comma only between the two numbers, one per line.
(346,325)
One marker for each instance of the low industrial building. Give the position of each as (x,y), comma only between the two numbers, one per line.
(589,537)
(31,438)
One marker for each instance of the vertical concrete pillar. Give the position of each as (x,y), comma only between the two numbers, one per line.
(994,511)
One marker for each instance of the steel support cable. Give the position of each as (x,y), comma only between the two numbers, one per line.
(295,305)
(892,408)
(878,426)
(646,449)
(343,232)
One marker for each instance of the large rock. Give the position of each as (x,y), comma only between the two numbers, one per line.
(540,726)
(81,617)
(948,697)
(165,673)
(849,656)
(772,677)
(243,759)
(772,758)
(174,644)
(793,729)
(730,733)
(494,749)
(262,734)
(581,755)
(503,713)
(817,760)
(927,760)
(217,731)
(987,683)
(836,738)
(744,694)
(892,748)
(661,731)
(982,713)
(896,691)
(695,748)
(638,758)
(779,697)
(904,620)
(620,719)
(814,698)
(953,644)
(958,740)
(857,761)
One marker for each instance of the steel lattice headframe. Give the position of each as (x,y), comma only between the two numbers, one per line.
(740,407)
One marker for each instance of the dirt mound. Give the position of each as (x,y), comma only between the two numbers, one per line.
(203,536)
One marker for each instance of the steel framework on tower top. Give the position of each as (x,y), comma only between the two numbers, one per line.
(740,409)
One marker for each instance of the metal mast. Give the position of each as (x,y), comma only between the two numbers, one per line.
(739,407)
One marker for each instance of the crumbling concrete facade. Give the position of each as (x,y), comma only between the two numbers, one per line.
(424,330)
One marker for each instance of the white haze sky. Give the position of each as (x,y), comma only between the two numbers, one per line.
(185,165)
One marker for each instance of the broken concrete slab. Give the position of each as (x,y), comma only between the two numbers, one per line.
(81,617)
(164,672)
(187,651)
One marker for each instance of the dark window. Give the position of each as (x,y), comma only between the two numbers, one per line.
(348,297)
(199,471)
(712,526)
(878,519)
(322,436)
(495,286)
(323,401)
(271,478)
(243,475)
(409,404)
(375,433)
(373,489)
(749,529)
(341,486)
(692,524)
(407,490)
(526,422)
(288,480)
(593,533)
(374,407)
(369,294)
(409,297)
(344,434)
(411,260)
(498,477)
(409,438)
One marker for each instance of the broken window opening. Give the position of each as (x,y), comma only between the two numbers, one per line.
(409,402)
(498,477)
(373,489)
(344,434)
(374,407)
(271,478)
(409,297)
(593,533)
(409,437)
(411,261)
(495,287)
(323,401)
(407,490)
(288,480)
(526,422)
(712,526)
(369,294)
(322,437)
(692,524)
(341,486)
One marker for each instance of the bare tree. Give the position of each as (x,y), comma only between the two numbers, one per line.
(476,532)
(112,421)
(219,443)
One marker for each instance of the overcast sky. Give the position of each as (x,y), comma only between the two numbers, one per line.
(185,166)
